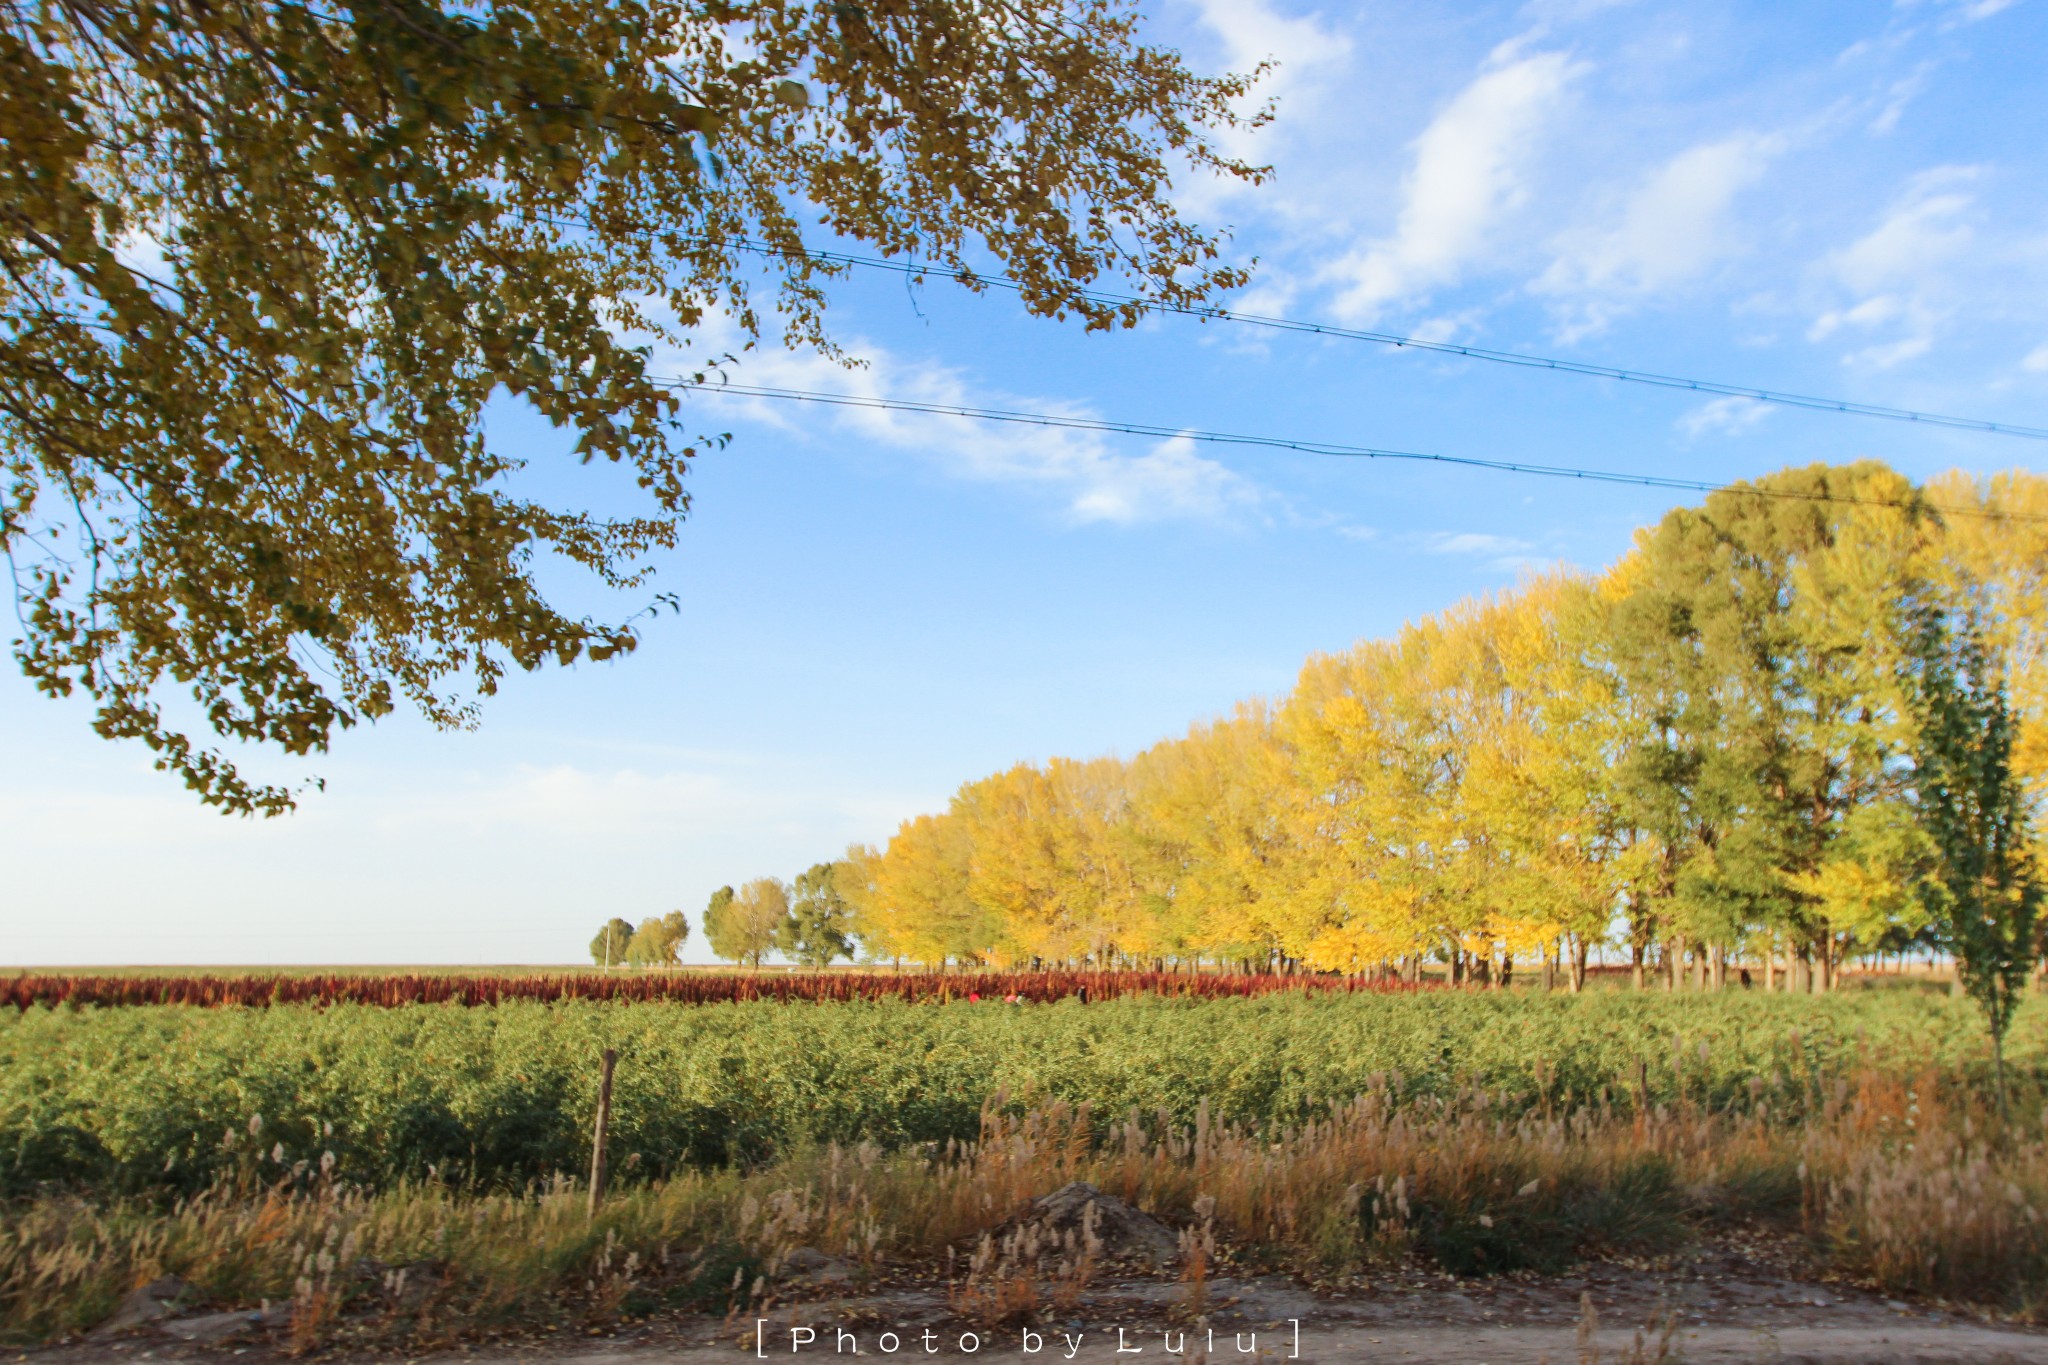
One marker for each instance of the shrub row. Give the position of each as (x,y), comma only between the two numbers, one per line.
(170,1099)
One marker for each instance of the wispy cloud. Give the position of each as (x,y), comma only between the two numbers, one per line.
(1971,11)
(1896,274)
(1723,416)
(1499,552)
(1303,49)
(1902,93)
(1099,477)
(1675,224)
(1472,543)
(1919,231)
(1468,174)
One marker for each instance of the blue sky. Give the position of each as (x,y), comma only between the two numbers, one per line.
(1841,199)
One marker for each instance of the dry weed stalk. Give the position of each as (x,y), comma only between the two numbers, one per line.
(1899,1179)
(1197,1253)
(1004,1275)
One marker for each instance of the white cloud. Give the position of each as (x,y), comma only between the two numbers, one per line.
(2037,360)
(1301,48)
(1448,327)
(1872,312)
(1962,11)
(1896,274)
(1099,481)
(1891,353)
(1984,9)
(1730,414)
(1305,53)
(1568,11)
(1673,227)
(1473,543)
(1901,94)
(1921,231)
(1169,480)
(1467,176)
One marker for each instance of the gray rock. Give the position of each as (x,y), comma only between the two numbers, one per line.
(1122,1230)
(218,1327)
(153,1301)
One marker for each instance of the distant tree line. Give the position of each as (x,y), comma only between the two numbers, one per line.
(807,921)
(1803,723)
(658,942)
(1799,724)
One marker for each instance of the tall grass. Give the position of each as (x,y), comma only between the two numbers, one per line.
(1896,1180)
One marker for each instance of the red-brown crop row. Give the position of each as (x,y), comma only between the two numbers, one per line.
(683,988)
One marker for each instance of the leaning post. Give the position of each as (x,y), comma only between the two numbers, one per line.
(598,1164)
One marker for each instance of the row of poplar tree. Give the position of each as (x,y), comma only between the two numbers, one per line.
(1725,751)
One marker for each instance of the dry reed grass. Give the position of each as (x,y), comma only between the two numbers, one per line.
(1896,1180)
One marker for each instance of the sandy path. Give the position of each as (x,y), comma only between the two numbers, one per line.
(1732,1300)
(1521,1345)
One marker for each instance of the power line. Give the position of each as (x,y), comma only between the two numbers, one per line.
(1105,425)
(1518,358)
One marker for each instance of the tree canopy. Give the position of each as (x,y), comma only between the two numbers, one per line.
(819,926)
(608,949)
(263,264)
(658,942)
(744,926)
(1718,746)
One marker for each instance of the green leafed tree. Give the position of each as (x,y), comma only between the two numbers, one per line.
(1982,887)
(717,911)
(608,949)
(819,926)
(1756,641)
(743,926)
(658,942)
(263,263)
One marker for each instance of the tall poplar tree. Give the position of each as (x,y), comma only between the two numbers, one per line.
(1983,887)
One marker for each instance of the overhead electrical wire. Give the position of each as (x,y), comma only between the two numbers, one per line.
(1073,422)
(1517,358)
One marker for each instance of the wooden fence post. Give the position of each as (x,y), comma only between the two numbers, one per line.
(598,1165)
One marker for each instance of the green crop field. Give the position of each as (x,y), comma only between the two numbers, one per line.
(169,1099)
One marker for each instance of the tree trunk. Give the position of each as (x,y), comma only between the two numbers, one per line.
(1507,970)
(1636,965)
(1770,964)
(1998,1069)
(1579,966)
(1720,966)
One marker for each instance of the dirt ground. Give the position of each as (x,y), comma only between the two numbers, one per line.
(1725,1300)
